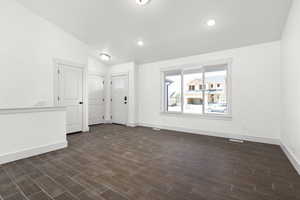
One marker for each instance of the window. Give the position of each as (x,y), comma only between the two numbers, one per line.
(191,87)
(216,98)
(193,100)
(173,91)
(203,90)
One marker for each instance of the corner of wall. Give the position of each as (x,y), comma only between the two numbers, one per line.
(291,156)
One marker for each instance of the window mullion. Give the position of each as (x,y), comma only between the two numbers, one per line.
(182,92)
(165,93)
(203,91)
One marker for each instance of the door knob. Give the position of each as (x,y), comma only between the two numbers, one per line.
(125,98)
(80,102)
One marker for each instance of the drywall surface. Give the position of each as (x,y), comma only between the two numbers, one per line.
(29,132)
(28,46)
(255,95)
(290,88)
(95,67)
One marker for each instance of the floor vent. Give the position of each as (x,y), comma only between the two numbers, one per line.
(156,129)
(236,140)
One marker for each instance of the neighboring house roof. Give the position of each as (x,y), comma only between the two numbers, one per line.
(195,82)
(199,82)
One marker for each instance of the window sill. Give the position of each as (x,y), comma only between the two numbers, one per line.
(227,117)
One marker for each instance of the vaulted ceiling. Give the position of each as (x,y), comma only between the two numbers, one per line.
(169,28)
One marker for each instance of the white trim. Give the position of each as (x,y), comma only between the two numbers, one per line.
(196,65)
(200,116)
(26,153)
(119,74)
(128,91)
(86,129)
(201,67)
(131,125)
(216,134)
(68,63)
(96,74)
(31,109)
(291,156)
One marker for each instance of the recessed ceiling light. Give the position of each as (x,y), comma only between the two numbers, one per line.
(142,2)
(211,22)
(105,57)
(140,43)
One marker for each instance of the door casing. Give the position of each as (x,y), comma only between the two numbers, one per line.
(100,101)
(128,98)
(56,84)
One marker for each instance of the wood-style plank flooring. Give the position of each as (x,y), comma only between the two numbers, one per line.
(118,163)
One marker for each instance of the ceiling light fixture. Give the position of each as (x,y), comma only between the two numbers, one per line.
(142,2)
(105,57)
(211,22)
(140,43)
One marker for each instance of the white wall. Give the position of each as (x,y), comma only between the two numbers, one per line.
(96,67)
(130,69)
(37,130)
(290,88)
(28,46)
(255,95)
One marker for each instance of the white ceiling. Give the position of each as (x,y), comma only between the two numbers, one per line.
(169,28)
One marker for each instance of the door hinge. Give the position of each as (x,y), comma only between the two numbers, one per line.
(111,100)
(111,117)
(58,98)
(111,82)
(103,82)
(102,117)
(58,71)
(103,100)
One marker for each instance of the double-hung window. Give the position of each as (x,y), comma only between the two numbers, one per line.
(202,89)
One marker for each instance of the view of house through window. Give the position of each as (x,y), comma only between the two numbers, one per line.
(193,93)
(215,94)
(201,91)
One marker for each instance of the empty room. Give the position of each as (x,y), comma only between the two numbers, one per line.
(149,100)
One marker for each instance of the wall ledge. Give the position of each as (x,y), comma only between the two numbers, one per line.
(291,156)
(31,109)
(26,153)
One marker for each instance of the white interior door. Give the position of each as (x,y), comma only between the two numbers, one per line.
(96,99)
(71,96)
(119,93)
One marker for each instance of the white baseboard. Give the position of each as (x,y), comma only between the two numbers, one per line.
(86,129)
(291,156)
(107,122)
(217,134)
(10,157)
(131,125)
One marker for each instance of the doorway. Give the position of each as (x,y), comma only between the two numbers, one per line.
(119,99)
(96,99)
(69,93)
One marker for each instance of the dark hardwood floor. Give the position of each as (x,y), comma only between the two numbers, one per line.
(117,163)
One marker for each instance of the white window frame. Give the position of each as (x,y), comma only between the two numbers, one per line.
(201,67)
